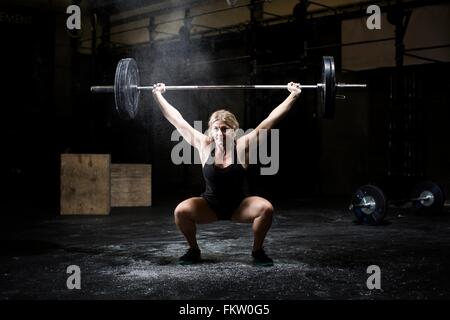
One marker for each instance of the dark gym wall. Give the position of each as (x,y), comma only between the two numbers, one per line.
(318,157)
(30,129)
(436,98)
(369,151)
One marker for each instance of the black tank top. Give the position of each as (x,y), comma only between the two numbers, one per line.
(227,184)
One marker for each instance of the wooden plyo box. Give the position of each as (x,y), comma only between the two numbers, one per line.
(85,184)
(131,185)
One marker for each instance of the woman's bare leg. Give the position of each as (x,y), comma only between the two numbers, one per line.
(259,212)
(188,214)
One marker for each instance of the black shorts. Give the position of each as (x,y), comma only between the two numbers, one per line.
(223,209)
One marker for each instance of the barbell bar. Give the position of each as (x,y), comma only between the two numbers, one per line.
(110,89)
(98,89)
(126,88)
(368,204)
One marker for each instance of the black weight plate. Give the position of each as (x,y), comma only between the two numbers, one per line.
(126,92)
(376,213)
(327,91)
(432,206)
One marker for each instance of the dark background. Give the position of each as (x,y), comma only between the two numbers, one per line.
(47,109)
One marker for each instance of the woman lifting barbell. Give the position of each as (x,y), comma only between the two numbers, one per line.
(224,159)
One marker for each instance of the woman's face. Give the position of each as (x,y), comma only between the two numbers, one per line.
(221,132)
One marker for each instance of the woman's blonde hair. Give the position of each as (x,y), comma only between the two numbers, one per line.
(225,116)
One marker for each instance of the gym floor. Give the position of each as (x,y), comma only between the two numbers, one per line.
(319,253)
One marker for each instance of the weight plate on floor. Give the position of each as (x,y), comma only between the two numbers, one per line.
(369,205)
(435,198)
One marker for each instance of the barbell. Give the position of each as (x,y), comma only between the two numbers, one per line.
(369,203)
(126,88)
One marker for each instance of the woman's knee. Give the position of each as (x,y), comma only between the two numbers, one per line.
(265,209)
(183,210)
(195,210)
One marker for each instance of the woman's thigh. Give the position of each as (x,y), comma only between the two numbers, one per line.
(251,208)
(197,210)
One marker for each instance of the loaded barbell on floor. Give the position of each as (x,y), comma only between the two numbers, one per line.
(369,204)
(126,88)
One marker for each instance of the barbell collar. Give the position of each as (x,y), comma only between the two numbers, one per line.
(102,89)
(351,85)
(428,197)
(361,205)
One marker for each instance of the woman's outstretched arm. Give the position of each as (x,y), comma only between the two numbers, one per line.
(276,115)
(192,136)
